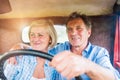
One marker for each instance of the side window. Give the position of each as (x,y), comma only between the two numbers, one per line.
(60,29)
(25,36)
(61,33)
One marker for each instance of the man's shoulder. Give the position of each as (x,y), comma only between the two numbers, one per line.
(97,47)
(96,50)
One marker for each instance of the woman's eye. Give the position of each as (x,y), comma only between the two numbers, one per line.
(32,35)
(40,35)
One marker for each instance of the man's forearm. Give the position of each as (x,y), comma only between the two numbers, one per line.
(96,72)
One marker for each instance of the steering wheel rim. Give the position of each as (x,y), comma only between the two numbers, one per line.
(12,53)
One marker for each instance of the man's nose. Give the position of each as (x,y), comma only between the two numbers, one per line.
(74,31)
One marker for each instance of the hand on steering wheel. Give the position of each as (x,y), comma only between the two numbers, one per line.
(9,54)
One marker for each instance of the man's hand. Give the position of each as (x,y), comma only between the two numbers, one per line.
(69,64)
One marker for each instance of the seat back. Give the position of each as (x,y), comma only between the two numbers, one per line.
(103,32)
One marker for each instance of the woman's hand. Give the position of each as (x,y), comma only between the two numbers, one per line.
(12,60)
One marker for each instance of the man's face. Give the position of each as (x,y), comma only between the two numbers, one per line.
(78,34)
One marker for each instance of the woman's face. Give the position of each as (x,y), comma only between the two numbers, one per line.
(39,38)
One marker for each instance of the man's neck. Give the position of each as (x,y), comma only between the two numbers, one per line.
(78,49)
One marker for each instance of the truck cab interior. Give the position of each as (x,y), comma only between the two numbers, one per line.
(15,15)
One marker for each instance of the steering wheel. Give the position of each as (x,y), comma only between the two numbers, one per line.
(9,54)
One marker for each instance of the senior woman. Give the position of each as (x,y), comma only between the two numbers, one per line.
(42,37)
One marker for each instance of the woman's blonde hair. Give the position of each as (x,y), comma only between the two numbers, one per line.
(48,24)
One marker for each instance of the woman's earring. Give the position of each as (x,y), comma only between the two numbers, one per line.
(50,41)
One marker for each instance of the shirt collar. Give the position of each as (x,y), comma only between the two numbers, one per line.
(87,49)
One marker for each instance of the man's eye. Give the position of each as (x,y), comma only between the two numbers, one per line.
(69,29)
(78,27)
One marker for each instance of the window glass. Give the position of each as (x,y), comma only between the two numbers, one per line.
(61,33)
(25,36)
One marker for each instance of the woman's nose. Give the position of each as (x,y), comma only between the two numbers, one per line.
(36,38)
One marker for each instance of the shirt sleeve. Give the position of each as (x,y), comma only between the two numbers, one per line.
(103,59)
(12,70)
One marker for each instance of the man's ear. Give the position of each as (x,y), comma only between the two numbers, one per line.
(89,32)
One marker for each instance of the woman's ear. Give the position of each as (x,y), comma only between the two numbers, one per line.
(50,41)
